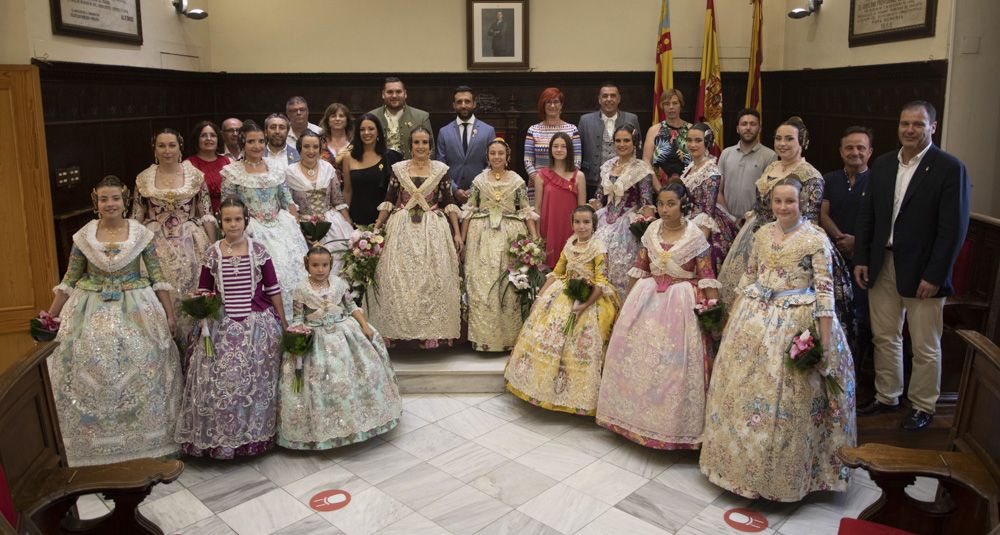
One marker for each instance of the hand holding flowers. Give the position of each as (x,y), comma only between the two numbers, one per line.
(44,326)
(361,259)
(203,305)
(297,342)
(805,353)
(579,291)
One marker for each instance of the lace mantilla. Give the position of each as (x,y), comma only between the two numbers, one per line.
(693,179)
(804,242)
(236,173)
(298,181)
(804,170)
(111,257)
(145,184)
(669,262)
(418,195)
(579,257)
(634,171)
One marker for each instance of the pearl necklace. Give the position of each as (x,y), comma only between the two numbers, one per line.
(234,260)
(318,286)
(253,165)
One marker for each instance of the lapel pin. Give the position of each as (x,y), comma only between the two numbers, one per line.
(928,168)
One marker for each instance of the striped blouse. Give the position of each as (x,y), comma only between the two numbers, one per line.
(536,145)
(240,298)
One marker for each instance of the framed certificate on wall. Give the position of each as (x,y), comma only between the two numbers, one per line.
(497,35)
(884,21)
(108,20)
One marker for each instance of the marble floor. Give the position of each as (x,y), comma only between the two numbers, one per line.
(484,464)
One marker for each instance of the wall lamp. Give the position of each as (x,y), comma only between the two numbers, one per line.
(803,12)
(197,14)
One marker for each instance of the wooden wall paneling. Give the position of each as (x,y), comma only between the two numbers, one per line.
(28,266)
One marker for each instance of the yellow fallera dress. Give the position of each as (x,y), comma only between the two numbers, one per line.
(557,371)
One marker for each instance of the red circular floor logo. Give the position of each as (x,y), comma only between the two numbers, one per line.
(745,520)
(330,500)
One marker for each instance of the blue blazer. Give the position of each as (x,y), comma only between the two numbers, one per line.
(930,227)
(464,166)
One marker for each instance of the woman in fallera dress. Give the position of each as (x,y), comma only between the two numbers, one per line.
(559,188)
(315,190)
(771,431)
(230,398)
(702,178)
(626,194)
(273,215)
(417,279)
(657,367)
(495,214)
(367,168)
(115,374)
(348,392)
(172,201)
(553,369)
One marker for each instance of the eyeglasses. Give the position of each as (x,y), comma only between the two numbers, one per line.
(230,130)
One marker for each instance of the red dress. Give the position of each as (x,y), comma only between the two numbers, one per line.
(559,199)
(213,176)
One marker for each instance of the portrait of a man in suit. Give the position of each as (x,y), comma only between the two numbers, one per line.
(498,32)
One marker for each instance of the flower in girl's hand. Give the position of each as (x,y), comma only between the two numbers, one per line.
(44,326)
(801,344)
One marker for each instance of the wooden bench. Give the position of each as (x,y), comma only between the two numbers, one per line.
(43,487)
(968,475)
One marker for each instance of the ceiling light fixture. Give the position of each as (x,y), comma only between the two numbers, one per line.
(181,6)
(803,12)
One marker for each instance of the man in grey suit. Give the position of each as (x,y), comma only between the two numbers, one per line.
(398,119)
(462,143)
(597,131)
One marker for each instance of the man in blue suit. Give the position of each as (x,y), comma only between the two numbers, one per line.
(911,226)
(462,143)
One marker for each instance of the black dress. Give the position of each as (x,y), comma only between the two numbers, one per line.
(369,186)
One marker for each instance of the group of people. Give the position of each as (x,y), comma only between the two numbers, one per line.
(629,350)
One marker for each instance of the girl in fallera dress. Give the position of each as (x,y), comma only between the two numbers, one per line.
(316,191)
(548,367)
(559,188)
(273,215)
(495,214)
(115,374)
(702,178)
(657,367)
(771,431)
(626,194)
(348,392)
(172,200)
(417,275)
(230,398)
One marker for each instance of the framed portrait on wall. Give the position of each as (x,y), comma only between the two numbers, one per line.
(108,20)
(884,21)
(497,35)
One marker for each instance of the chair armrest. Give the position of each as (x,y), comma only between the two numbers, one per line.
(962,468)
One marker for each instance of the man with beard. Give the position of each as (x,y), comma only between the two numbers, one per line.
(742,164)
(462,143)
(279,155)
(398,119)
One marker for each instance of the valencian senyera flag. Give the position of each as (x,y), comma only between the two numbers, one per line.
(756,58)
(709,106)
(664,60)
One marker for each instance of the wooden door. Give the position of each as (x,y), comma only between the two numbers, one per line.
(27,241)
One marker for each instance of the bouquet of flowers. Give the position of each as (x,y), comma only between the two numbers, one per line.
(711,314)
(805,353)
(525,258)
(360,259)
(639,226)
(579,291)
(297,341)
(314,228)
(202,305)
(44,327)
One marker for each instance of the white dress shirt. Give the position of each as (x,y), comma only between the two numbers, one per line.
(904,174)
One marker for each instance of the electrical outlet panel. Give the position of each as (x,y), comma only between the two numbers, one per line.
(67,177)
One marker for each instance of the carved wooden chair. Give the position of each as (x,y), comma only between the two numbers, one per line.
(968,475)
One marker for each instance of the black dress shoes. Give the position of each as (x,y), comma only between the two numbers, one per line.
(876,407)
(917,419)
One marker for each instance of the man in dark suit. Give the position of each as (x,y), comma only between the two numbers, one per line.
(462,143)
(597,130)
(398,119)
(498,36)
(910,229)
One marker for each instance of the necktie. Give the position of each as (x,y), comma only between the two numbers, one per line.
(465,138)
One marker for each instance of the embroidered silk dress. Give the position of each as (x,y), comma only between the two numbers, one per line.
(549,368)
(321,196)
(267,197)
(230,399)
(559,199)
(657,367)
(115,375)
(349,392)
(176,217)
(703,187)
(809,203)
(771,431)
(670,155)
(624,198)
(417,274)
(497,210)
